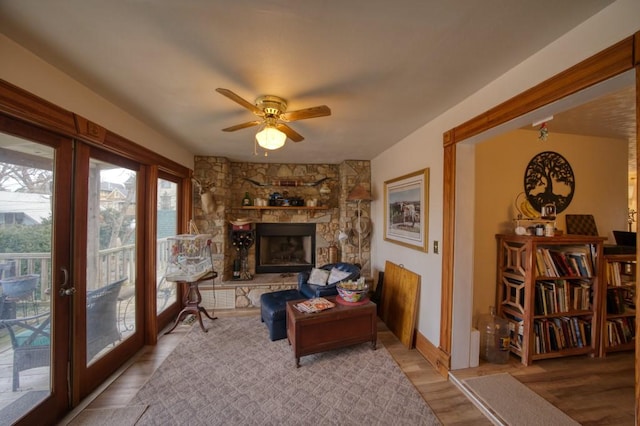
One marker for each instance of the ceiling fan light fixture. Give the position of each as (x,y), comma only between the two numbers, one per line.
(273,115)
(271,138)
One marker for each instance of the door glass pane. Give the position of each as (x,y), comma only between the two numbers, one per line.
(111,257)
(26,199)
(167,226)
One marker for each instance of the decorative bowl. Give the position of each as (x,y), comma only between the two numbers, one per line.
(351,291)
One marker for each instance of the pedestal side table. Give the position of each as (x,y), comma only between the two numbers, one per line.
(192,299)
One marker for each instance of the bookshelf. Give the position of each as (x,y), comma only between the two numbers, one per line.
(548,290)
(618,304)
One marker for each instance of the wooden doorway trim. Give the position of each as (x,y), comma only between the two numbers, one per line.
(617,59)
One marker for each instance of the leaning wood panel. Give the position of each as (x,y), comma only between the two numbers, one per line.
(400,301)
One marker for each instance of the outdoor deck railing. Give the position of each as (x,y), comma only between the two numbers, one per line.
(113,264)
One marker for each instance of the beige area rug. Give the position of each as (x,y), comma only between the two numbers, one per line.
(512,403)
(234,375)
(124,416)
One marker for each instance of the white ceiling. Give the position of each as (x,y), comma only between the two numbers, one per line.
(384,68)
(608,111)
(611,116)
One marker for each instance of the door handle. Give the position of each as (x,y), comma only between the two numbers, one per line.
(65,289)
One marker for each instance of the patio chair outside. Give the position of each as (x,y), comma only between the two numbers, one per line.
(31,336)
(31,343)
(102,317)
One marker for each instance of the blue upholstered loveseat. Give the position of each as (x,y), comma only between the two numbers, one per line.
(273,305)
(310,290)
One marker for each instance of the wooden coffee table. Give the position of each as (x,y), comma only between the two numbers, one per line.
(341,326)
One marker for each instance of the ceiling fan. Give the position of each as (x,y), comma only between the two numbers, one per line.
(273,114)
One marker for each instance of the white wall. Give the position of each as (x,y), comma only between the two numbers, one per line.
(425,151)
(423,148)
(21,68)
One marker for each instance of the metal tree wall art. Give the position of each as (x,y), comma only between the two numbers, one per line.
(549,179)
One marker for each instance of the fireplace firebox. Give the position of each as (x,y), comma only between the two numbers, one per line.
(285,247)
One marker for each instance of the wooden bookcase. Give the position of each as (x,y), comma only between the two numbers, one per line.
(618,303)
(549,291)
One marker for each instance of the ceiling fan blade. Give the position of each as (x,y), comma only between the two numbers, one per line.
(248,105)
(291,134)
(242,126)
(303,114)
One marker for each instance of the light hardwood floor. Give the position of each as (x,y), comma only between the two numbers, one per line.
(591,391)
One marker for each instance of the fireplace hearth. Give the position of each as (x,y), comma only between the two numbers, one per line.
(285,247)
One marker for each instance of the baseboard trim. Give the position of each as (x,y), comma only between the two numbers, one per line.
(440,360)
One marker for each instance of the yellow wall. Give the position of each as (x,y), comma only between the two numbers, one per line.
(601,190)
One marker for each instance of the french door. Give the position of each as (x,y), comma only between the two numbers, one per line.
(108,269)
(35,259)
(71,293)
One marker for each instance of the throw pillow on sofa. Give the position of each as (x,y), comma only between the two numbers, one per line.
(318,276)
(337,275)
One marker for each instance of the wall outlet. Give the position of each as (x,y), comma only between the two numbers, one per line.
(435,247)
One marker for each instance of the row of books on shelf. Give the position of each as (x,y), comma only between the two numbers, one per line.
(619,300)
(614,275)
(555,334)
(569,262)
(557,296)
(620,331)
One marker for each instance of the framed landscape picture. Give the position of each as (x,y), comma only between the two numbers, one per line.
(406,210)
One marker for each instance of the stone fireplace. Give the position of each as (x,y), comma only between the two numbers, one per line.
(285,247)
(273,263)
